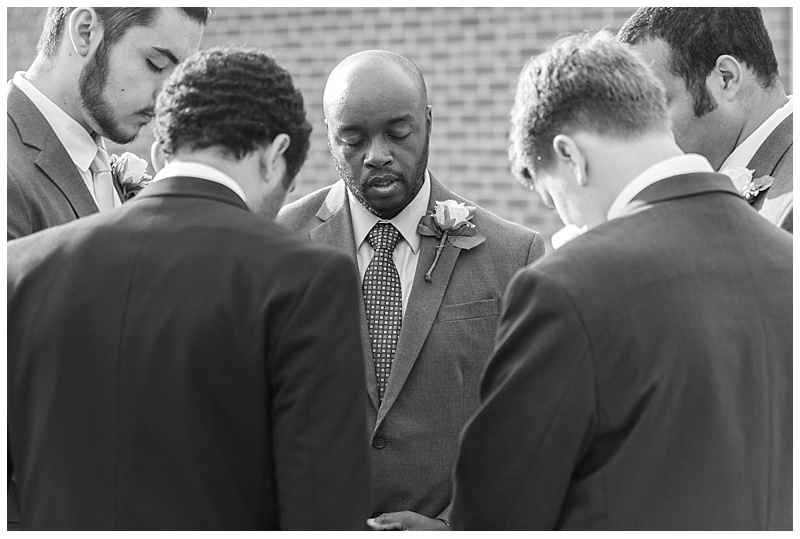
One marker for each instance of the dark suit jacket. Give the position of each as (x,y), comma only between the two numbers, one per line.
(180,363)
(642,377)
(446,337)
(44,187)
(774,158)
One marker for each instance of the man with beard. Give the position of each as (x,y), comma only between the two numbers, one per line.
(96,76)
(725,99)
(430,312)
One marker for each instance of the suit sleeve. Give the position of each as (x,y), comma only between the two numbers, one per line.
(18,220)
(318,413)
(536,250)
(519,450)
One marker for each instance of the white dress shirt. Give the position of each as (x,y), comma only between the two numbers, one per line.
(200,171)
(744,152)
(79,144)
(674,166)
(406,254)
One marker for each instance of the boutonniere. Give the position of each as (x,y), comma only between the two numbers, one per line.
(744,183)
(451,224)
(130,173)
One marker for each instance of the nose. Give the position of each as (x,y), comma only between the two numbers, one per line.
(378,154)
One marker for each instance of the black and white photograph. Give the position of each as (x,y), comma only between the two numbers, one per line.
(398,268)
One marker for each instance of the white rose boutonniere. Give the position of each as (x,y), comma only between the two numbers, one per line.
(129,171)
(451,223)
(744,183)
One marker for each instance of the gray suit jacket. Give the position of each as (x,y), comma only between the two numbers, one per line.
(774,158)
(447,335)
(44,187)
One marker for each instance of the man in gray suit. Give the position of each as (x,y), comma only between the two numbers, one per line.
(425,339)
(96,76)
(642,377)
(724,96)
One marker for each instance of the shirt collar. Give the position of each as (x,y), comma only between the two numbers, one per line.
(674,166)
(405,222)
(80,145)
(744,152)
(194,169)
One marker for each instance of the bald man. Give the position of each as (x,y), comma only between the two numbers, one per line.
(425,341)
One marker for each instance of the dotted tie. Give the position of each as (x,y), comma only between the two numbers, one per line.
(383,300)
(103,182)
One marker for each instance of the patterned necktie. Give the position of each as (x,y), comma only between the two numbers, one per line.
(383,300)
(103,182)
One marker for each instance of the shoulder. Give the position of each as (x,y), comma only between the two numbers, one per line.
(298,214)
(504,238)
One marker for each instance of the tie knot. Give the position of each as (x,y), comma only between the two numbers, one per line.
(100,162)
(383,237)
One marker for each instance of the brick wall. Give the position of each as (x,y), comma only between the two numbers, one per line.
(470,57)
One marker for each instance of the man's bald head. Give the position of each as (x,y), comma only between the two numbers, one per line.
(369,68)
(379,126)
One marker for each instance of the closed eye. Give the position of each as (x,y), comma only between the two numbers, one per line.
(154,68)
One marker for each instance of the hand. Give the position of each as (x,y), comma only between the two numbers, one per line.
(406,521)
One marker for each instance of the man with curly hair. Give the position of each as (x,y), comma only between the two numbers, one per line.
(724,96)
(95,77)
(184,362)
(642,376)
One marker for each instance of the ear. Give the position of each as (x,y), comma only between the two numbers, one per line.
(273,158)
(726,77)
(157,157)
(84,30)
(567,152)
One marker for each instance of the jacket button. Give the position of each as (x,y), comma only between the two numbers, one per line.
(378,443)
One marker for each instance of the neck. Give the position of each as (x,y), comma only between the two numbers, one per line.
(55,83)
(613,163)
(759,107)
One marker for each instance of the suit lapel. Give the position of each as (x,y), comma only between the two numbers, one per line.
(423,306)
(336,230)
(53,159)
(773,202)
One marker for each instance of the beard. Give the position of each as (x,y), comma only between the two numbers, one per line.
(92,85)
(354,184)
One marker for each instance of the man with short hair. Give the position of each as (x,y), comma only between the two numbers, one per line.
(642,376)
(430,307)
(95,77)
(724,96)
(184,362)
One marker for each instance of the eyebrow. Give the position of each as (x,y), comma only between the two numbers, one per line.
(404,118)
(168,54)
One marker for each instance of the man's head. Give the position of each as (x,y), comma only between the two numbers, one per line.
(379,126)
(236,106)
(712,62)
(578,105)
(118,57)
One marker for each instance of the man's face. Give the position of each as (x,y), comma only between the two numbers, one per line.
(378,135)
(118,86)
(706,134)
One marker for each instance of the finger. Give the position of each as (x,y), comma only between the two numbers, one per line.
(386,524)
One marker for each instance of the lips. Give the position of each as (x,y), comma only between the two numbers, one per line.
(381,181)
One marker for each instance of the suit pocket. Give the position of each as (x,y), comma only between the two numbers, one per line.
(472,309)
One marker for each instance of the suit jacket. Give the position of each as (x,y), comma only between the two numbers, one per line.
(642,377)
(44,186)
(445,339)
(774,158)
(180,363)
